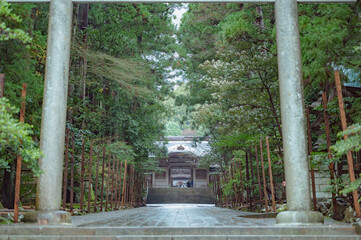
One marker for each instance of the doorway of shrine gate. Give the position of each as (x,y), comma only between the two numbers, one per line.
(181,168)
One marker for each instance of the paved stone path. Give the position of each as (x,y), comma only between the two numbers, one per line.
(174,215)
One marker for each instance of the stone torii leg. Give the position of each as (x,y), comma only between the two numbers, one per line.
(293,117)
(48,193)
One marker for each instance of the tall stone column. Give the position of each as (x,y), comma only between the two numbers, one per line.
(293,117)
(48,195)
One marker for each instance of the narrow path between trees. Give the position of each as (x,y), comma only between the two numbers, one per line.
(175,215)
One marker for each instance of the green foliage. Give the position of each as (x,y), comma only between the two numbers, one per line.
(10,18)
(352,143)
(15,139)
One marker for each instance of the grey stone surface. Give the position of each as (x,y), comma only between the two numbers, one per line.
(48,217)
(300,217)
(172,215)
(180,195)
(176,221)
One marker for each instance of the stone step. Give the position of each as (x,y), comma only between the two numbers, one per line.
(35,230)
(180,195)
(182,237)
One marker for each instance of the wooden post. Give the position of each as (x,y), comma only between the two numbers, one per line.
(235,184)
(82,171)
(270,176)
(2,84)
(241,183)
(230,179)
(18,161)
(328,140)
(102,188)
(65,183)
(264,177)
(120,184)
(90,174)
(72,172)
(345,137)
(247,178)
(132,189)
(116,185)
(258,176)
(252,176)
(124,183)
(96,182)
(108,182)
(112,188)
(309,153)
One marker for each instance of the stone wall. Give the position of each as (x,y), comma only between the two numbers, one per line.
(322,181)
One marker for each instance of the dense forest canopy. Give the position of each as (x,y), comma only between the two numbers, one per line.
(124,57)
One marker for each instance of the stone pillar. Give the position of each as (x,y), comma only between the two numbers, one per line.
(293,117)
(48,195)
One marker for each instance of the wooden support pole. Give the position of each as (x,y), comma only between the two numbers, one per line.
(230,179)
(108,183)
(264,177)
(247,178)
(345,137)
(65,182)
(252,176)
(328,141)
(271,176)
(102,188)
(120,184)
(258,175)
(82,172)
(90,175)
(234,173)
(116,184)
(132,187)
(18,160)
(112,188)
(2,84)
(124,183)
(309,153)
(96,182)
(240,183)
(72,172)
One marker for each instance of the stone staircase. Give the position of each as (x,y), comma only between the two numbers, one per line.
(180,195)
(36,232)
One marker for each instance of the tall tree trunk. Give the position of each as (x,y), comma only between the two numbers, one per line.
(82,25)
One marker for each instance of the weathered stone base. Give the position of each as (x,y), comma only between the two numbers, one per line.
(48,217)
(299,218)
